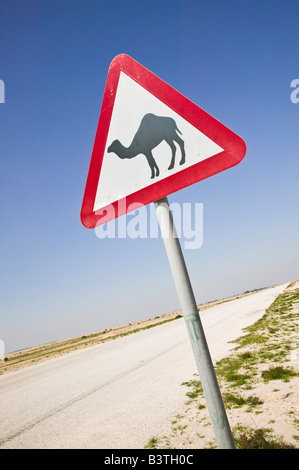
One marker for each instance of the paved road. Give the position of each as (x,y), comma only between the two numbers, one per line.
(118,394)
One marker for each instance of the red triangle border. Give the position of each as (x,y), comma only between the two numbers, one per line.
(233,145)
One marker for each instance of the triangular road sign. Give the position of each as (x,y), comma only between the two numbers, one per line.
(150,142)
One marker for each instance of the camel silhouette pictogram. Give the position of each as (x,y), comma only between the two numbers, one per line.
(151,132)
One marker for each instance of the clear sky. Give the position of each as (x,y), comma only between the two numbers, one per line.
(236,60)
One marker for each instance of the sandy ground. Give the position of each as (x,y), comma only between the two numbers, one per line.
(190,428)
(31,356)
(278,411)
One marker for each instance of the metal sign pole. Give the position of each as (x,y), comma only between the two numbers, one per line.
(195,330)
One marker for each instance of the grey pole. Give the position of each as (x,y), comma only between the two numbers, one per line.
(194,326)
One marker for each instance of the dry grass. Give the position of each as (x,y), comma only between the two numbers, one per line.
(19,359)
(259,382)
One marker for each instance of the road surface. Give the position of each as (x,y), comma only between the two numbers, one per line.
(119,394)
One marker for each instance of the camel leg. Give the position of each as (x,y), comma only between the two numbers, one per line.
(173,149)
(182,146)
(153,165)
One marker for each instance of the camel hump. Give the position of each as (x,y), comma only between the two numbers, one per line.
(161,123)
(150,118)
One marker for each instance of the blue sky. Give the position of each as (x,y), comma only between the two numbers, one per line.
(236,60)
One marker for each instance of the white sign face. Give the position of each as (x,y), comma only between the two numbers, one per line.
(126,172)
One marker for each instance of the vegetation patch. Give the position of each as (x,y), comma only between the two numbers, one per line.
(236,401)
(271,340)
(260,439)
(279,373)
(152,443)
